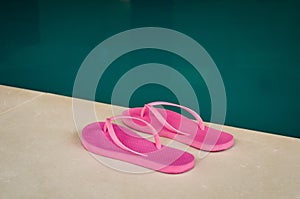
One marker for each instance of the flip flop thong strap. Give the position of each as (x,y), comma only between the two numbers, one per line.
(108,127)
(163,121)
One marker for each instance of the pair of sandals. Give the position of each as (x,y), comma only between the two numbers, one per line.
(118,142)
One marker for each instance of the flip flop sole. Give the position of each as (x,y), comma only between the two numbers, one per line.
(209,139)
(166,159)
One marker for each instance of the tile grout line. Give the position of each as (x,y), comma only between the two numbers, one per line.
(18,105)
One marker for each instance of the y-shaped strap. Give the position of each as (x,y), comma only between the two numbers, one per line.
(108,127)
(164,122)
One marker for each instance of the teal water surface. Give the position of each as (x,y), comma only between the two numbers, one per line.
(255,45)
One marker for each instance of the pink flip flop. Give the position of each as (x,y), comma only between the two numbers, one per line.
(117,142)
(178,127)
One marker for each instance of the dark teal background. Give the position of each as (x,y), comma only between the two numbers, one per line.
(255,45)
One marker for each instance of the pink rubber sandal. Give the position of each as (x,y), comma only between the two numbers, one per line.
(178,127)
(117,142)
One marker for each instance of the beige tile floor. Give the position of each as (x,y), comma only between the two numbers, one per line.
(41,157)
